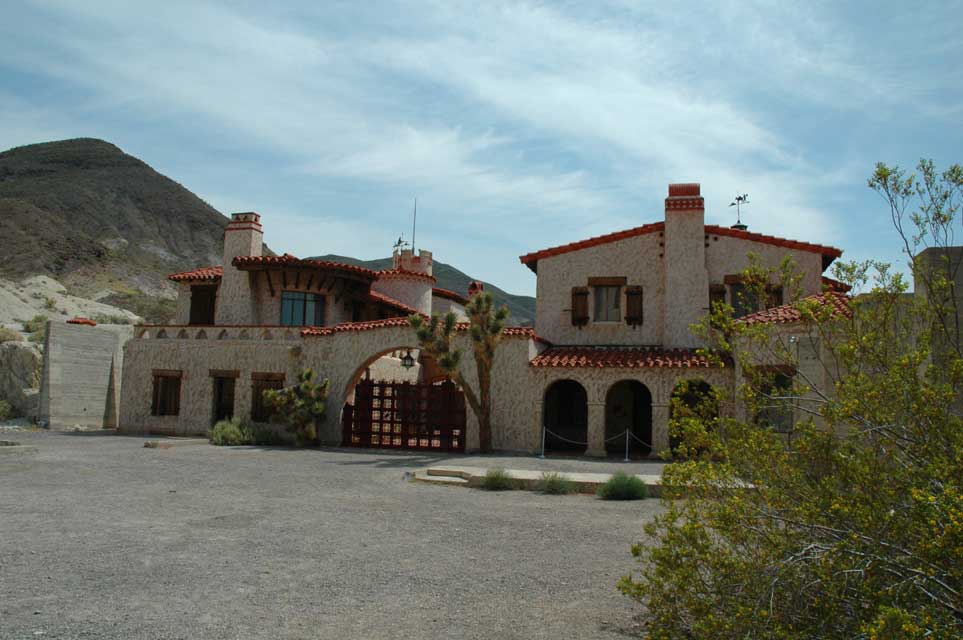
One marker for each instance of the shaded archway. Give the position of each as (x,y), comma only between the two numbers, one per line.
(628,407)
(565,417)
(391,405)
(692,398)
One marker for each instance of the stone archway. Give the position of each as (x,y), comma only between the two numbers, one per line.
(565,417)
(388,406)
(628,407)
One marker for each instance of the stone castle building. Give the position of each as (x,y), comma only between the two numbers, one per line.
(610,345)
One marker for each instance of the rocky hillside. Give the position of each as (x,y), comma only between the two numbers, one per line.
(522,308)
(102,222)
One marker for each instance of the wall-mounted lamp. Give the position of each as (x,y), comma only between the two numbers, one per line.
(407,361)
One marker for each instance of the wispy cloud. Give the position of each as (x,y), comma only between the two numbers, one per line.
(517,124)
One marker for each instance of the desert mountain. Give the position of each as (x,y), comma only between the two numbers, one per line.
(102,222)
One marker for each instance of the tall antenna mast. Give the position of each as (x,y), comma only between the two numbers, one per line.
(737,203)
(414,225)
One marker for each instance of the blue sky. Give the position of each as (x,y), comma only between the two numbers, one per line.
(518,126)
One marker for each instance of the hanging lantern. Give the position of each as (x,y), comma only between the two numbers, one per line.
(407,361)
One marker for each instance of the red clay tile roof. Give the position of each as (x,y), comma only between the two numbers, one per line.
(790,313)
(530,260)
(288,260)
(829,253)
(406,274)
(201,273)
(508,332)
(86,321)
(381,298)
(451,295)
(835,285)
(620,357)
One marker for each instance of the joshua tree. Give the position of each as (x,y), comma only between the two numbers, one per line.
(485,330)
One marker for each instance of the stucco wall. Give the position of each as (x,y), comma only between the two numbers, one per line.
(80,383)
(635,258)
(442,306)
(414,292)
(726,255)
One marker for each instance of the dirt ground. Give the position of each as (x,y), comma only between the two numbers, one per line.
(103,538)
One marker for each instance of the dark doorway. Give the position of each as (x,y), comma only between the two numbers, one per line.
(565,416)
(203,298)
(628,407)
(223,398)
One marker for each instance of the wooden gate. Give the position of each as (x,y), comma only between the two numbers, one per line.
(404,415)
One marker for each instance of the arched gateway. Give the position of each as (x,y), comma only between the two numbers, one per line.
(393,402)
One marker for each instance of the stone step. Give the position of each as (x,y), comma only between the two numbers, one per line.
(527,479)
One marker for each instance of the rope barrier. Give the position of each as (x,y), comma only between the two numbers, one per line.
(625,434)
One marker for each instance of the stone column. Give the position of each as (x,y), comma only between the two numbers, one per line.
(660,427)
(596,430)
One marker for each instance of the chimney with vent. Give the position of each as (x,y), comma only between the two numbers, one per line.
(686,278)
(235,298)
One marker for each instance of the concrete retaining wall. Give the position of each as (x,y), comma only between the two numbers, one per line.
(80,384)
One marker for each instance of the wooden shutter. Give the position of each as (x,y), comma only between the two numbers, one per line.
(580,312)
(633,306)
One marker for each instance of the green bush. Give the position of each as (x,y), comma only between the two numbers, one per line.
(106,318)
(622,486)
(498,480)
(231,433)
(6,411)
(299,408)
(37,328)
(556,484)
(9,335)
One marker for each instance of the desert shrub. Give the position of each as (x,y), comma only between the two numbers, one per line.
(9,335)
(231,433)
(299,407)
(152,309)
(498,480)
(109,318)
(49,304)
(556,484)
(36,327)
(622,486)
(6,411)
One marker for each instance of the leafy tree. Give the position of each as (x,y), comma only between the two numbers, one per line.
(485,331)
(849,524)
(300,407)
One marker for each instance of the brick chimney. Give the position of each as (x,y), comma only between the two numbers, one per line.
(235,299)
(475,287)
(686,278)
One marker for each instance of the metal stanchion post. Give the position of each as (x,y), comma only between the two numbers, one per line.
(542,455)
(626,445)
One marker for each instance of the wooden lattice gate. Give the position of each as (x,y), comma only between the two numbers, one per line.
(404,415)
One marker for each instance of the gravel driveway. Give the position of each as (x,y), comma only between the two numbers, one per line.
(102,538)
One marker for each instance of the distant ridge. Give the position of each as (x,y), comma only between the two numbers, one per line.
(522,308)
(102,222)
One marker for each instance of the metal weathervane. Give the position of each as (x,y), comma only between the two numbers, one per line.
(737,203)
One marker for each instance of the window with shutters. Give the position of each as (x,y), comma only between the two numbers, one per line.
(166,399)
(580,315)
(633,306)
(261,382)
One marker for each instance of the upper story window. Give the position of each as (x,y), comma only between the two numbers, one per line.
(607,296)
(608,303)
(203,297)
(300,309)
(744,300)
